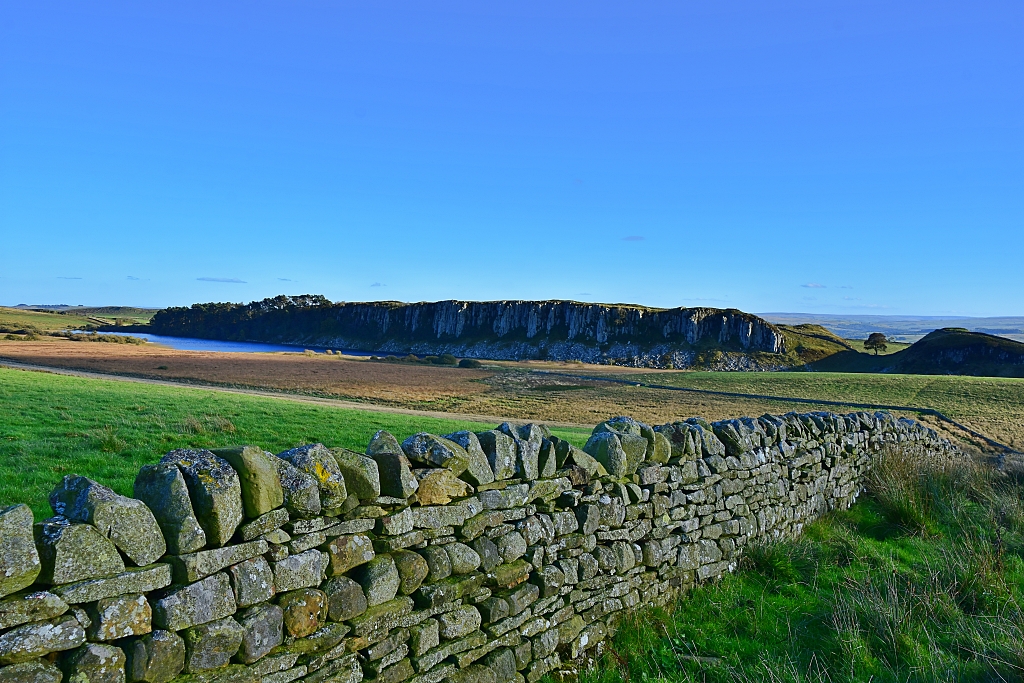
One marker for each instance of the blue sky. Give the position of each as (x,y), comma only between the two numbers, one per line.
(858,157)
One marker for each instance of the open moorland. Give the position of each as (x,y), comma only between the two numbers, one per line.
(541,390)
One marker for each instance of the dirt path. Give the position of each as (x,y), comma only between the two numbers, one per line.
(336,403)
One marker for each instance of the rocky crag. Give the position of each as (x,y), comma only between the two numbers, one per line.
(510,330)
(489,557)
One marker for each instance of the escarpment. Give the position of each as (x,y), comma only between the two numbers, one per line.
(514,330)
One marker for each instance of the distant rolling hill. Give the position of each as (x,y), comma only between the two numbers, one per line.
(905,328)
(948,351)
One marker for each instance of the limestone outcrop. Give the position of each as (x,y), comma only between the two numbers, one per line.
(515,330)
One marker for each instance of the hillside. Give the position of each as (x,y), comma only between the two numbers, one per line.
(949,351)
(508,330)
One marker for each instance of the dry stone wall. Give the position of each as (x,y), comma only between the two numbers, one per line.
(490,557)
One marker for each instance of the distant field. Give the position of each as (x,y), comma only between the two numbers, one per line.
(13,319)
(54,425)
(73,319)
(509,389)
(992,405)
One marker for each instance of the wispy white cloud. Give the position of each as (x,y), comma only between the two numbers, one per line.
(233,280)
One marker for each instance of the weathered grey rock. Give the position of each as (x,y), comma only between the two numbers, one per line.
(127,522)
(345,598)
(528,439)
(212,645)
(133,580)
(383,442)
(94,663)
(438,564)
(396,477)
(439,516)
(662,451)
(162,488)
(299,571)
(347,552)
(475,673)
(493,609)
(155,658)
(195,566)
(567,455)
(263,630)
(458,622)
(500,450)
(215,491)
(21,609)
(511,546)
(423,637)
(258,477)
(19,561)
(341,670)
(545,643)
(318,462)
(490,556)
(503,664)
(589,518)
(303,611)
(506,498)
(301,491)
(462,558)
(73,552)
(478,471)
(438,486)
(547,460)
(436,451)
(198,603)
(522,597)
(362,477)
(381,618)
(412,570)
(549,579)
(252,582)
(36,671)
(120,617)
(25,643)
(379,578)
(322,641)
(606,448)
(264,524)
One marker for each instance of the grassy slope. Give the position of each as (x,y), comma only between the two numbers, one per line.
(52,425)
(992,405)
(44,321)
(923,580)
(14,318)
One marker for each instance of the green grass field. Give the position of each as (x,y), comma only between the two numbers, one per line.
(43,322)
(52,425)
(992,405)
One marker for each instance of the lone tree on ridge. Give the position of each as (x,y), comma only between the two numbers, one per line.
(876,342)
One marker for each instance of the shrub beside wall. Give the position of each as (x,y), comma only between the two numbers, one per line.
(485,557)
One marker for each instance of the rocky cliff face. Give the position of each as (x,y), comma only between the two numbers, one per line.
(564,330)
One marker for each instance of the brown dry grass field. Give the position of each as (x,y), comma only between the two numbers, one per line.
(503,389)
